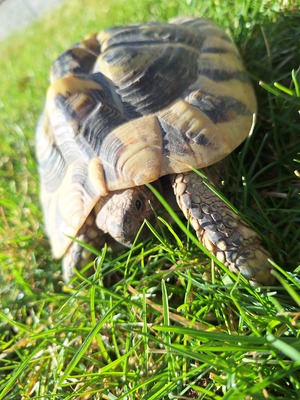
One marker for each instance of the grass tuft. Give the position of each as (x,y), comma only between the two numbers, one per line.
(162,320)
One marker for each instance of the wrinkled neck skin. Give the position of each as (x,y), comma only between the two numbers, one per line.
(122,213)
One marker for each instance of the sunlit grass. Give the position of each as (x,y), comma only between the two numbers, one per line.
(161,320)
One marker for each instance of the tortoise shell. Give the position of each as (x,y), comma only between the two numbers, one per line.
(134,103)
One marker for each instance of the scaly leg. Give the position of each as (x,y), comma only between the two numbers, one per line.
(221,230)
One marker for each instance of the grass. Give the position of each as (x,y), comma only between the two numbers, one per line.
(158,321)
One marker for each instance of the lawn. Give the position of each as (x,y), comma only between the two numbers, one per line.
(159,321)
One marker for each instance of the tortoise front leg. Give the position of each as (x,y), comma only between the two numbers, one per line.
(79,257)
(221,230)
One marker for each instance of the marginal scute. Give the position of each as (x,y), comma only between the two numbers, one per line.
(96,176)
(79,59)
(71,84)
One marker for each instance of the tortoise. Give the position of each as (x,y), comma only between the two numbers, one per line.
(138,104)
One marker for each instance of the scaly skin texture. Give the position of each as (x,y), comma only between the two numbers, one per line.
(221,230)
(122,213)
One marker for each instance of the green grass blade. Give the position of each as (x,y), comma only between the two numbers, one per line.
(81,351)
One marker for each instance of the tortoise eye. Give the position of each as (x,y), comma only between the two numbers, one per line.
(138,205)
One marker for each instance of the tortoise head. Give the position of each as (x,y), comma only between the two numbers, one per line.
(122,213)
